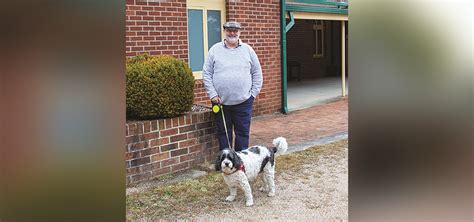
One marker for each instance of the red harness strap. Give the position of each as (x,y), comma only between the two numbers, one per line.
(242,167)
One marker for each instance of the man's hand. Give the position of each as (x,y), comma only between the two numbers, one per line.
(216,99)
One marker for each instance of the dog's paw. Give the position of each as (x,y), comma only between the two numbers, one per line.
(271,194)
(249,203)
(230,198)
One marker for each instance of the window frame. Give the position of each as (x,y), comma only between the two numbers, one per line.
(318,25)
(205,5)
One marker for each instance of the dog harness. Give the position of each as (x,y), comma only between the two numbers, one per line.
(242,167)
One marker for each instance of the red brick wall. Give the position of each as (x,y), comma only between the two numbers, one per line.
(200,93)
(160,27)
(157,27)
(261,30)
(159,147)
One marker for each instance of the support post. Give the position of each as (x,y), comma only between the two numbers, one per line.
(283,29)
(343,71)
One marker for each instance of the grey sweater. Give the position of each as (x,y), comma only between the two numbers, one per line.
(234,74)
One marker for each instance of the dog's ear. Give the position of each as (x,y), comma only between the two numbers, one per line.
(218,162)
(236,161)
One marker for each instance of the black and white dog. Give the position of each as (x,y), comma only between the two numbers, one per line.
(241,167)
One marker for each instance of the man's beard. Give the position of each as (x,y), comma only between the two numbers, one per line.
(232,39)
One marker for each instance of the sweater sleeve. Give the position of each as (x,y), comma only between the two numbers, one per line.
(208,74)
(256,72)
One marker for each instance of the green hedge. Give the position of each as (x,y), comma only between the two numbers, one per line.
(158,87)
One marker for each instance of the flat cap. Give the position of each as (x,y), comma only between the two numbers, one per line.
(232,25)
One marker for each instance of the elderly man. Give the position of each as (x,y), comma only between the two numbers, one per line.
(233,77)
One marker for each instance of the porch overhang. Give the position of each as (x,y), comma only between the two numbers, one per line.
(318,6)
(335,10)
(318,16)
(318,9)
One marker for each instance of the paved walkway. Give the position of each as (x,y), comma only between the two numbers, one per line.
(303,126)
(311,92)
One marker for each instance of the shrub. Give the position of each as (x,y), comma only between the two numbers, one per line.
(158,87)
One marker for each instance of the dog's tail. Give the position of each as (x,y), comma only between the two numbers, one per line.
(280,145)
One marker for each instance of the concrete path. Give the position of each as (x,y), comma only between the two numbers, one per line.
(311,92)
(303,128)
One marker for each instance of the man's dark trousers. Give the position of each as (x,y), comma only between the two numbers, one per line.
(237,118)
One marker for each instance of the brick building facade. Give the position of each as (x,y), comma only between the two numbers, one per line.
(160,28)
(186,29)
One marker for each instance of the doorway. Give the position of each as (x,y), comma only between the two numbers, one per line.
(314,63)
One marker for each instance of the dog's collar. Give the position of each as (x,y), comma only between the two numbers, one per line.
(242,167)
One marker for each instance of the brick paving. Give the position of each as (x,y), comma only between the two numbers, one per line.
(302,125)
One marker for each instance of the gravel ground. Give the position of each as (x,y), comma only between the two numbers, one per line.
(312,185)
(316,191)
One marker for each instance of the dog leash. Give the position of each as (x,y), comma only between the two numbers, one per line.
(216,108)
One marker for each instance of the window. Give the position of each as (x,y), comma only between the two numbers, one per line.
(195,39)
(205,19)
(318,28)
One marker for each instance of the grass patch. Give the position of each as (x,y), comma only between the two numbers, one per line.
(294,160)
(181,199)
(176,198)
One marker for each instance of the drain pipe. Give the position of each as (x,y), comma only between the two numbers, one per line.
(283,56)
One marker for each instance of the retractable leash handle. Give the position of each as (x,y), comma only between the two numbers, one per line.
(216,108)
